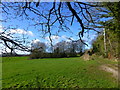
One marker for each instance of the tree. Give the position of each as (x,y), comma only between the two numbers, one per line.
(98,45)
(59,13)
(112,29)
(70,48)
(38,45)
(9,39)
(80,47)
(56,14)
(37,50)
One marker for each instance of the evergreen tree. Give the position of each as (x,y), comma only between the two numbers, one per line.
(112,28)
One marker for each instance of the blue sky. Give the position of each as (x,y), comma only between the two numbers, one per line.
(24,26)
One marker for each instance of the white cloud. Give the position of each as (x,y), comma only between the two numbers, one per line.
(16,31)
(30,33)
(56,39)
(35,41)
(16,51)
(21,31)
(52,37)
(1,28)
(64,37)
(22,52)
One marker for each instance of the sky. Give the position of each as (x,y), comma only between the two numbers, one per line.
(61,0)
(24,26)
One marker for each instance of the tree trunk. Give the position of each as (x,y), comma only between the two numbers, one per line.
(105,49)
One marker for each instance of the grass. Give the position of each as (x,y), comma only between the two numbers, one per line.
(19,72)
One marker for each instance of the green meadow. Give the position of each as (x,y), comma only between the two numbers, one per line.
(20,72)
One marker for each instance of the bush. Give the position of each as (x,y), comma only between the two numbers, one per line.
(35,54)
(71,54)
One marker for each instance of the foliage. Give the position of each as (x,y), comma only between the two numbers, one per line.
(111,45)
(112,31)
(61,49)
(18,72)
(98,45)
(36,54)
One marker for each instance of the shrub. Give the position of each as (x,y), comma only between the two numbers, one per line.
(36,54)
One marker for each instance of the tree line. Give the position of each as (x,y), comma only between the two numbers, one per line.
(89,16)
(60,49)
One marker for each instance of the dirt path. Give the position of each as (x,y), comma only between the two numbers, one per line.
(111,69)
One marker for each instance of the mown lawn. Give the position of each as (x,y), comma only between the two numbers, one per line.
(19,72)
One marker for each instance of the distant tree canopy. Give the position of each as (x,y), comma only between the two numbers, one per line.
(69,47)
(60,49)
(88,16)
(38,45)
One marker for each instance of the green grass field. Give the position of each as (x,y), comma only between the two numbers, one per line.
(19,72)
